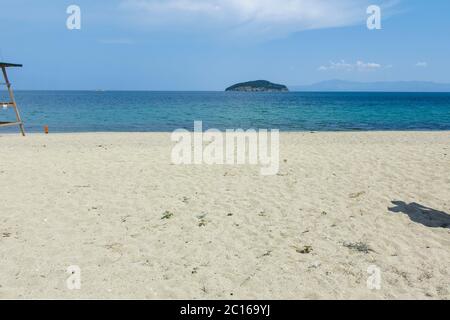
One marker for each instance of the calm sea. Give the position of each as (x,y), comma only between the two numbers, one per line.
(88,111)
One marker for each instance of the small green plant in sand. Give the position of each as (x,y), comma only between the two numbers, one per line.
(202,220)
(167,215)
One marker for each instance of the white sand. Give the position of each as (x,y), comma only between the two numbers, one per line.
(96,201)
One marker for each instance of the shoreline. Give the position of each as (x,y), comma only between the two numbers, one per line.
(33,133)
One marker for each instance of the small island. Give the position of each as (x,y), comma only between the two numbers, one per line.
(258,86)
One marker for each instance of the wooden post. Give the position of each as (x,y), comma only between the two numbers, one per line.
(13,101)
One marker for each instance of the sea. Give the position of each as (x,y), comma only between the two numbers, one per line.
(148,111)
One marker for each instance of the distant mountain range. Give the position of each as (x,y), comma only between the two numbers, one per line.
(394,86)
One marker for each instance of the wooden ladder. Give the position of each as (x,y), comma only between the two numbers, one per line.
(11,104)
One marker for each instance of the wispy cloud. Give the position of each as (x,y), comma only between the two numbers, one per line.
(422,64)
(266,17)
(344,66)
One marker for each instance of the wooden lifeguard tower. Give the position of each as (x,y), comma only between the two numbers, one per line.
(12,103)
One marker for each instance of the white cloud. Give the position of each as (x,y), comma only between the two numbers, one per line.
(422,64)
(266,17)
(357,66)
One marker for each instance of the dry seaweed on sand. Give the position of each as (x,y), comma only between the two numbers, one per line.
(358,246)
(304,249)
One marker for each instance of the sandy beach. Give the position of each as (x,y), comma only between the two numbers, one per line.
(141,227)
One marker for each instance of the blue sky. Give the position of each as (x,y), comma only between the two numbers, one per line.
(210,44)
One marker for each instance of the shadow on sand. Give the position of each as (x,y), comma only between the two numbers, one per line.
(421,214)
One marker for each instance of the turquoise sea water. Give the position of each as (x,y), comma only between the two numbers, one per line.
(88,111)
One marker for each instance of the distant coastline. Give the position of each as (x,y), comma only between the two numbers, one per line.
(266,86)
(381,86)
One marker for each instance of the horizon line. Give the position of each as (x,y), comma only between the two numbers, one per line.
(228,92)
